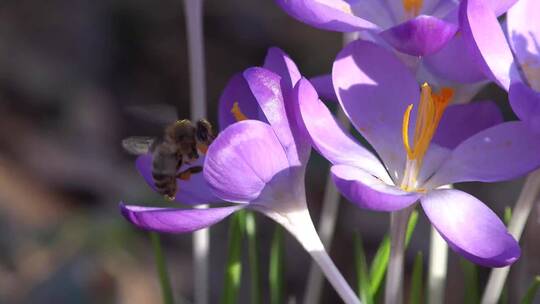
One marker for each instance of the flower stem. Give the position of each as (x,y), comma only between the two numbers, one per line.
(299,224)
(161,266)
(253,253)
(327,222)
(522,209)
(394,276)
(193,11)
(438,264)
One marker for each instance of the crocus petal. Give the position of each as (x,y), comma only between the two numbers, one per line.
(280,63)
(374,88)
(453,62)
(328,137)
(265,86)
(423,35)
(499,153)
(324,87)
(526,104)
(173,220)
(524,37)
(460,122)
(243,159)
(192,191)
(470,228)
(367,191)
(332,15)
(487,42)
(500,7)
(237,90)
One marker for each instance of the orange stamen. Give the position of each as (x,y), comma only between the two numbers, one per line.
(412,7)
(237,112)
(430,110)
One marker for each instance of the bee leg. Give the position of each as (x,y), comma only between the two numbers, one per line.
(203,148)
(186,174)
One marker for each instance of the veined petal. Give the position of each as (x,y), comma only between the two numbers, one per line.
(487,42)
(367,191)
(499,153)
(526,104)
(243,159)
(470,228)
(237,90)
(332,15)
(265,86)
(524,37)
(423,35)
(173,220)
(375,88)
(328,137)
(192,191)
(280,63)
(460,122)
(324,87)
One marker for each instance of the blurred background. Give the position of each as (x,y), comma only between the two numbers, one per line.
(70,69)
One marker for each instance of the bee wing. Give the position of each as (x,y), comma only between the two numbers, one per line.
(138,144)
(161,114)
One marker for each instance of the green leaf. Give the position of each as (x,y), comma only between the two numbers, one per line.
(380,261)
(161,266)
(362,271)
(233,269)
(531,292)
(251,232)
(416,285)
(507,215)
(277,267)
(470,274)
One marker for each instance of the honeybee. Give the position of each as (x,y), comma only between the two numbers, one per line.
(182,143)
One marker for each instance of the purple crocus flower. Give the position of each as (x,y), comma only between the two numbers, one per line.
(236,103)
(414,27)
(512,60)
(258,163)
(378,94)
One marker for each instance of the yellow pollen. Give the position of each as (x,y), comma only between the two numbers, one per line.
(237,113)
(430,110)
(412,7)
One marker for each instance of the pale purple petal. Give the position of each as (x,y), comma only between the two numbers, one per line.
(421,36)
(435,156)
(454,62)
(243,159)
(500,7)
(524,37)
(280,63)
(173,220)
(374,88)
(487,42)
(502,152)
(324,87)
(333,15)
(265,86)
(193,191)
(460,122)
(237,90)
(526,104)
(470,228)
(367,191)
(328,137)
